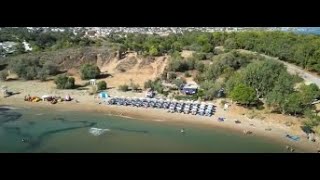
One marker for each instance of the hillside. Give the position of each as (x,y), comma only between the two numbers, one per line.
(116,72)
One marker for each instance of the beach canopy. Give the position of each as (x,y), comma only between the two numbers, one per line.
(103,95)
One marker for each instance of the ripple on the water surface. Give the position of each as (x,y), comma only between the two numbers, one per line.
(6,116)
(7,108)
(132,130)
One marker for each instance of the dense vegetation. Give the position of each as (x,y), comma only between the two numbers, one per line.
(123,88)
(102,85)
(155,85)
(64,82)
(248,79)
(89,71)
(303,50)
(41,40)
(31,68)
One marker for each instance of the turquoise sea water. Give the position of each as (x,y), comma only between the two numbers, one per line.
(44,130)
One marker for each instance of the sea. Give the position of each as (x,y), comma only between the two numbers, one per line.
(43,130)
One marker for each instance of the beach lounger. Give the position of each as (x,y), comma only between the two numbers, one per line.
(187,108)
(172,107)
(179,107)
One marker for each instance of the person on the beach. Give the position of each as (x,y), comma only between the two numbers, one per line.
(68,98)
(29,97)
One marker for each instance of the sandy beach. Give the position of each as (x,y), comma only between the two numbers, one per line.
(257,123)
(258,127)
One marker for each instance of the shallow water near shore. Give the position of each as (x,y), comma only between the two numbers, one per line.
(45,130)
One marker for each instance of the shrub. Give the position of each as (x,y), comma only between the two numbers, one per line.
(124,88)
(50,68)
(70,83)
(155,85)
(4,75)
(31,73)
(89,71)
(102,85)
(42,75)
(172,76)
(148,84)
(93,90)
(199,56)
(179,82)
(187,74)
(135,87)
(64,82)
(199,66)
(122,70)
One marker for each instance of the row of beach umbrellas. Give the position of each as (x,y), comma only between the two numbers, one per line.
(172,105)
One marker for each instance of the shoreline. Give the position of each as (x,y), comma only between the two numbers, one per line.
(162,116)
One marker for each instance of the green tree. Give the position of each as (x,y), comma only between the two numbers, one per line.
(64,82)
(310,93)
(89,71)
(102,85)
(153,51)
(233,81)
(230,43)
(284,86)
(262,75)
(293,104)
(244,94)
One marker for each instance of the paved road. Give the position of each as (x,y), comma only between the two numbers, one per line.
(293,69)
(308,77)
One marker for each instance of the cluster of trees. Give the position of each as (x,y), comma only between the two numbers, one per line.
(44,40)
(303,50)
(32,68)
(312,123)
(155,85)
(270,81)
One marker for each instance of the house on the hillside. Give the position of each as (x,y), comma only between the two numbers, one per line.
(189,89)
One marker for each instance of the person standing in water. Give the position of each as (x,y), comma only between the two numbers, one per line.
(182,130)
